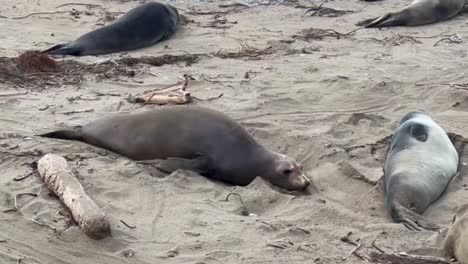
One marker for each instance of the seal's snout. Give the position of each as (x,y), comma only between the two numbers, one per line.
(296,181)
(301,183)
(288,174)
(306,181)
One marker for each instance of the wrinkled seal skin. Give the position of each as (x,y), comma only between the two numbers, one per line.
(456,240)
(420,163)
(193,138)
(141,27)
(419,12)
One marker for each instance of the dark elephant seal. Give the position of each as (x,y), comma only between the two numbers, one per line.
(419,12)
(456,240)
(141,27)
(420,163)
(200,139)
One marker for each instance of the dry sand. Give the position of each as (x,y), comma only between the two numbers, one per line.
(327,102)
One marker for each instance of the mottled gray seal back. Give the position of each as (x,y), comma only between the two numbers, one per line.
(140,27)
(420,163)
(419,12)
(200,139)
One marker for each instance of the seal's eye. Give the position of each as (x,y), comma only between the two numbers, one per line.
(287,172)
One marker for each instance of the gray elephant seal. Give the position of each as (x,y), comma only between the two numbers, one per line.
(419,12)
(203,140)
(456,240)
(141,27)
(420,163)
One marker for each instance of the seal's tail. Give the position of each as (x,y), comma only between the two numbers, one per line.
(62,49)
(410,219)
(64,134)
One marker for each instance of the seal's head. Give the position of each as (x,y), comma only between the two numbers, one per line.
(411,115)
(286,173)
(174,12)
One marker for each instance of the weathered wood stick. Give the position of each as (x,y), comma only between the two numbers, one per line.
(59,178)
(400,258)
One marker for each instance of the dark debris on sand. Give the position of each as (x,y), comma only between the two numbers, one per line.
(37,71)
(319,34)
(189,59)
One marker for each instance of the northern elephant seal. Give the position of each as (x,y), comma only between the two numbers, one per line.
(420,163)
(456,240)
(419,12)
(200,139)
(140,27)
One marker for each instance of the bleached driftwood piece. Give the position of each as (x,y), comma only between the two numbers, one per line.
(59,178)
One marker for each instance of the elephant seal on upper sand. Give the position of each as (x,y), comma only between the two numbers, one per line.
(203,140)
(419,12)
(140,27)
(420,163)
(456,240)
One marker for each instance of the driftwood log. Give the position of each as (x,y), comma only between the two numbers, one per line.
(59,178)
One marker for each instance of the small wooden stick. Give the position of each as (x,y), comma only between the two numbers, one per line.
(244,211)
(353,252)
(59,178)
(402,258)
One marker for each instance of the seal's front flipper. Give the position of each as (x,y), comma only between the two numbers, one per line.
(198,165)
(458,142)
(410,219)
(63,49)
(169,165)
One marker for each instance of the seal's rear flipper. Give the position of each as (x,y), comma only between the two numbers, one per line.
(63,134)
(198,165)
(387,20)
(363,23)
(62,49)
(410,219)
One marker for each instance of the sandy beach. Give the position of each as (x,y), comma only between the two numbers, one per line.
(303,83)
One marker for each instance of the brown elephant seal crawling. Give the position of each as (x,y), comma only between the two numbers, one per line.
(140,27)
(456,240)
(419,12)
(203,140)
(420,163)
